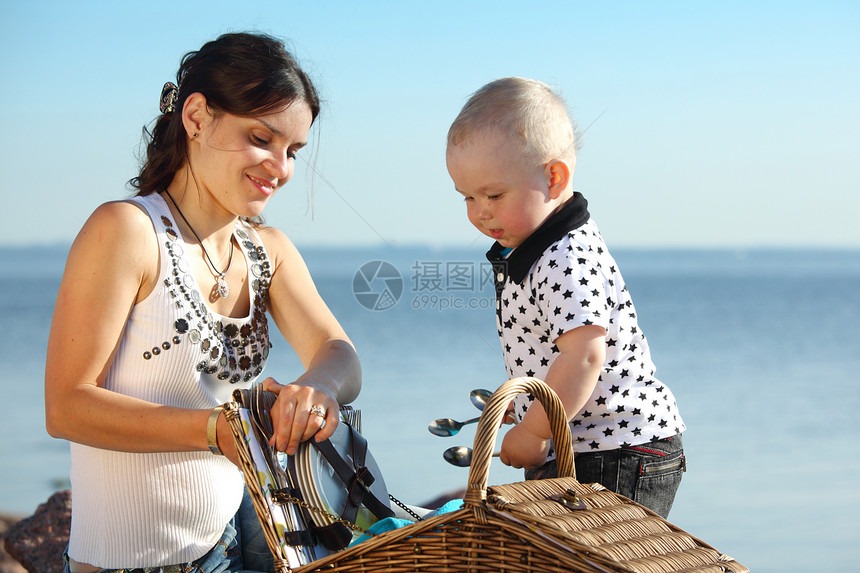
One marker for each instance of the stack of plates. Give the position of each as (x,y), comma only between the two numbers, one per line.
(323,489)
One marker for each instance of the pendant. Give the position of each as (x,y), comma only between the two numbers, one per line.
(223,288)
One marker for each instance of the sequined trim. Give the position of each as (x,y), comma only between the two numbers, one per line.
(231,351)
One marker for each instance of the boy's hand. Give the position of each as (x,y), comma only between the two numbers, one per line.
(510,417)
(523,449)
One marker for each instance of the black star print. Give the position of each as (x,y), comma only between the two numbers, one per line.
(560,295)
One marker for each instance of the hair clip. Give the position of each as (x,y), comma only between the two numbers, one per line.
(169,95)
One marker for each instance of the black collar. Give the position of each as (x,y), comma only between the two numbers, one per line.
(572,215)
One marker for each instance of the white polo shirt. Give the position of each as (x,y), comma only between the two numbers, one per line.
(563,277)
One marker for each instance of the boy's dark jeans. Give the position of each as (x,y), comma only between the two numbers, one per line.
(649,473)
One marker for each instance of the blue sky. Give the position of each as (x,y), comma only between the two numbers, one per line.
(706,124)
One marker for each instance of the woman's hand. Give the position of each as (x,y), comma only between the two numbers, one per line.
(293,416)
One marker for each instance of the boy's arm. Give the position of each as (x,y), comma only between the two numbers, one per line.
(573,376)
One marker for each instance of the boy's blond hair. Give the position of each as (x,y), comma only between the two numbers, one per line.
(528,110)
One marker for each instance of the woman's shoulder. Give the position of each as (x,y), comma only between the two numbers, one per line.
(117,226)
(120,213)
(276,242)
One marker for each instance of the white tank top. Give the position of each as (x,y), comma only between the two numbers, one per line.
(134,510)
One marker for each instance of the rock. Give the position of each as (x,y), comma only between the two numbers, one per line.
(7,564)
(38,541)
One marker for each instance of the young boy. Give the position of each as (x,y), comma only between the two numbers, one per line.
(563,312)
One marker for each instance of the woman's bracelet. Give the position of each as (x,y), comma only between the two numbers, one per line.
(211,430)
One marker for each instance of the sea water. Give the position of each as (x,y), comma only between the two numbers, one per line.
(759,348)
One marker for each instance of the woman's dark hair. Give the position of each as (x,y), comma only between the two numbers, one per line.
(241,74)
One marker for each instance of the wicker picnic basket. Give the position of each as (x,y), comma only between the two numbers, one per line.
(551,525)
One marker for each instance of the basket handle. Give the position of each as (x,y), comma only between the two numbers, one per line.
(491,419)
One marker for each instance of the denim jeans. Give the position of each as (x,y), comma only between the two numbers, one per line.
(649,474)
(241,549)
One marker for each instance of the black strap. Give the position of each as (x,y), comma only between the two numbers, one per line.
(334,536)
(357,478)
(300,538)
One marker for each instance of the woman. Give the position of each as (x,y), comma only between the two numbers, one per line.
(162,313)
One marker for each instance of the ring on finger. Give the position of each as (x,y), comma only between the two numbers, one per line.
(317,410)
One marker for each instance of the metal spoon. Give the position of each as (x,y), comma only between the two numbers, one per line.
(448,427)
(460,456)
(479,398)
